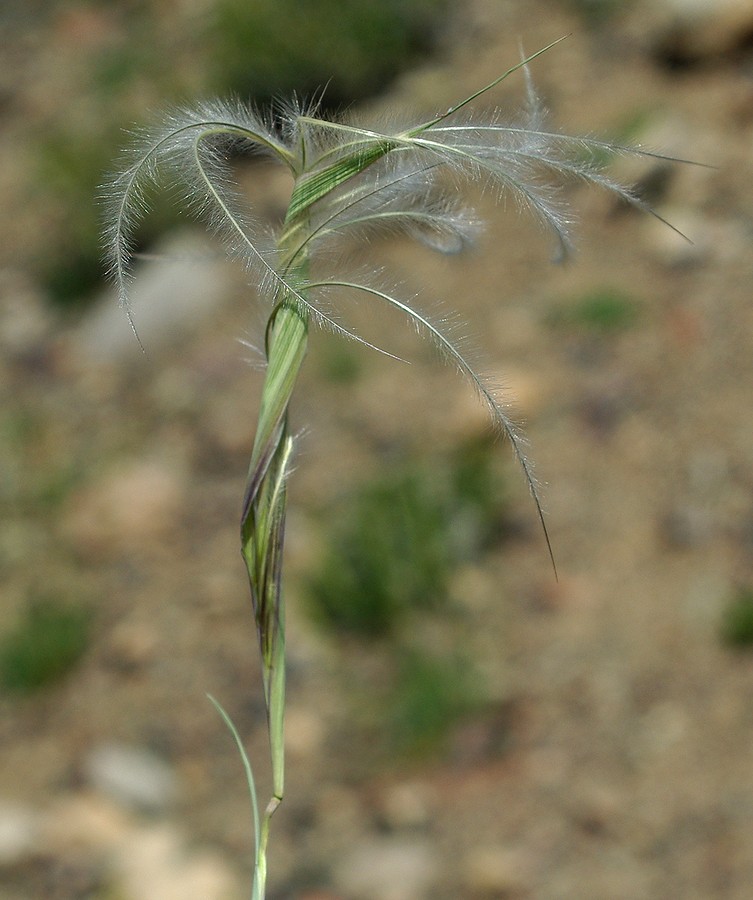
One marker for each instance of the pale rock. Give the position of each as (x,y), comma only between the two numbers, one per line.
(525,391)
(689,244)
(687,525)
(702,239)
(666,135)
(131,646)
(134,503)
(87,821)
(268,187)
(388,869)
(663,728)
(596,805)
(132,776)
(171,294)
(155,863)
(407,805)
(520,391)
(19,834)
(497,872)
(140,860)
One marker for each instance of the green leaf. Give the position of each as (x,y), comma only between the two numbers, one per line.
(313,187)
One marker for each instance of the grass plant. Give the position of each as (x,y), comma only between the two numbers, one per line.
(432,692)
(737,620)
(348,179)
(277,46)
(46,643)
(391,546)
(387,553)
(601,311)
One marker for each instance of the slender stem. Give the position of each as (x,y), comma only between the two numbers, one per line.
(263,521)
(263,531)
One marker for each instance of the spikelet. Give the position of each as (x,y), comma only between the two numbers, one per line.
(350,181)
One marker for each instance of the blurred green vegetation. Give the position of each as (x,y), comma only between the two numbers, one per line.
(73,165)
(625,132)
(431,693)
(260,50)
(35,480)
(44,646)
(387,554)
(390,550)
(272,48)
(737,620)
(392,546)
(601,311)
(338,361)
(597,12)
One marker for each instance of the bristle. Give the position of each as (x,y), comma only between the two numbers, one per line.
(356,180)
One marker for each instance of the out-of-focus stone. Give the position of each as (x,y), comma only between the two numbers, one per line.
(155,863)
(388,869)
(496,872)
(171,294)
(689,241)
(84,821)
(19,830)
(686,526)
(136,860)
(132,776)
(131,646)
(133,503)
(407,804)
(520,391)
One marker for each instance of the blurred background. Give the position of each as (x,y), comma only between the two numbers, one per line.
(460,724)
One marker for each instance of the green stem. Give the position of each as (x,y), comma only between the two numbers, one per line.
(262,535)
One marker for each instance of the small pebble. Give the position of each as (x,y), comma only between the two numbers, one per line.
(496,872)
(133,503)
(132,776)
(388,869)
(19,828)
